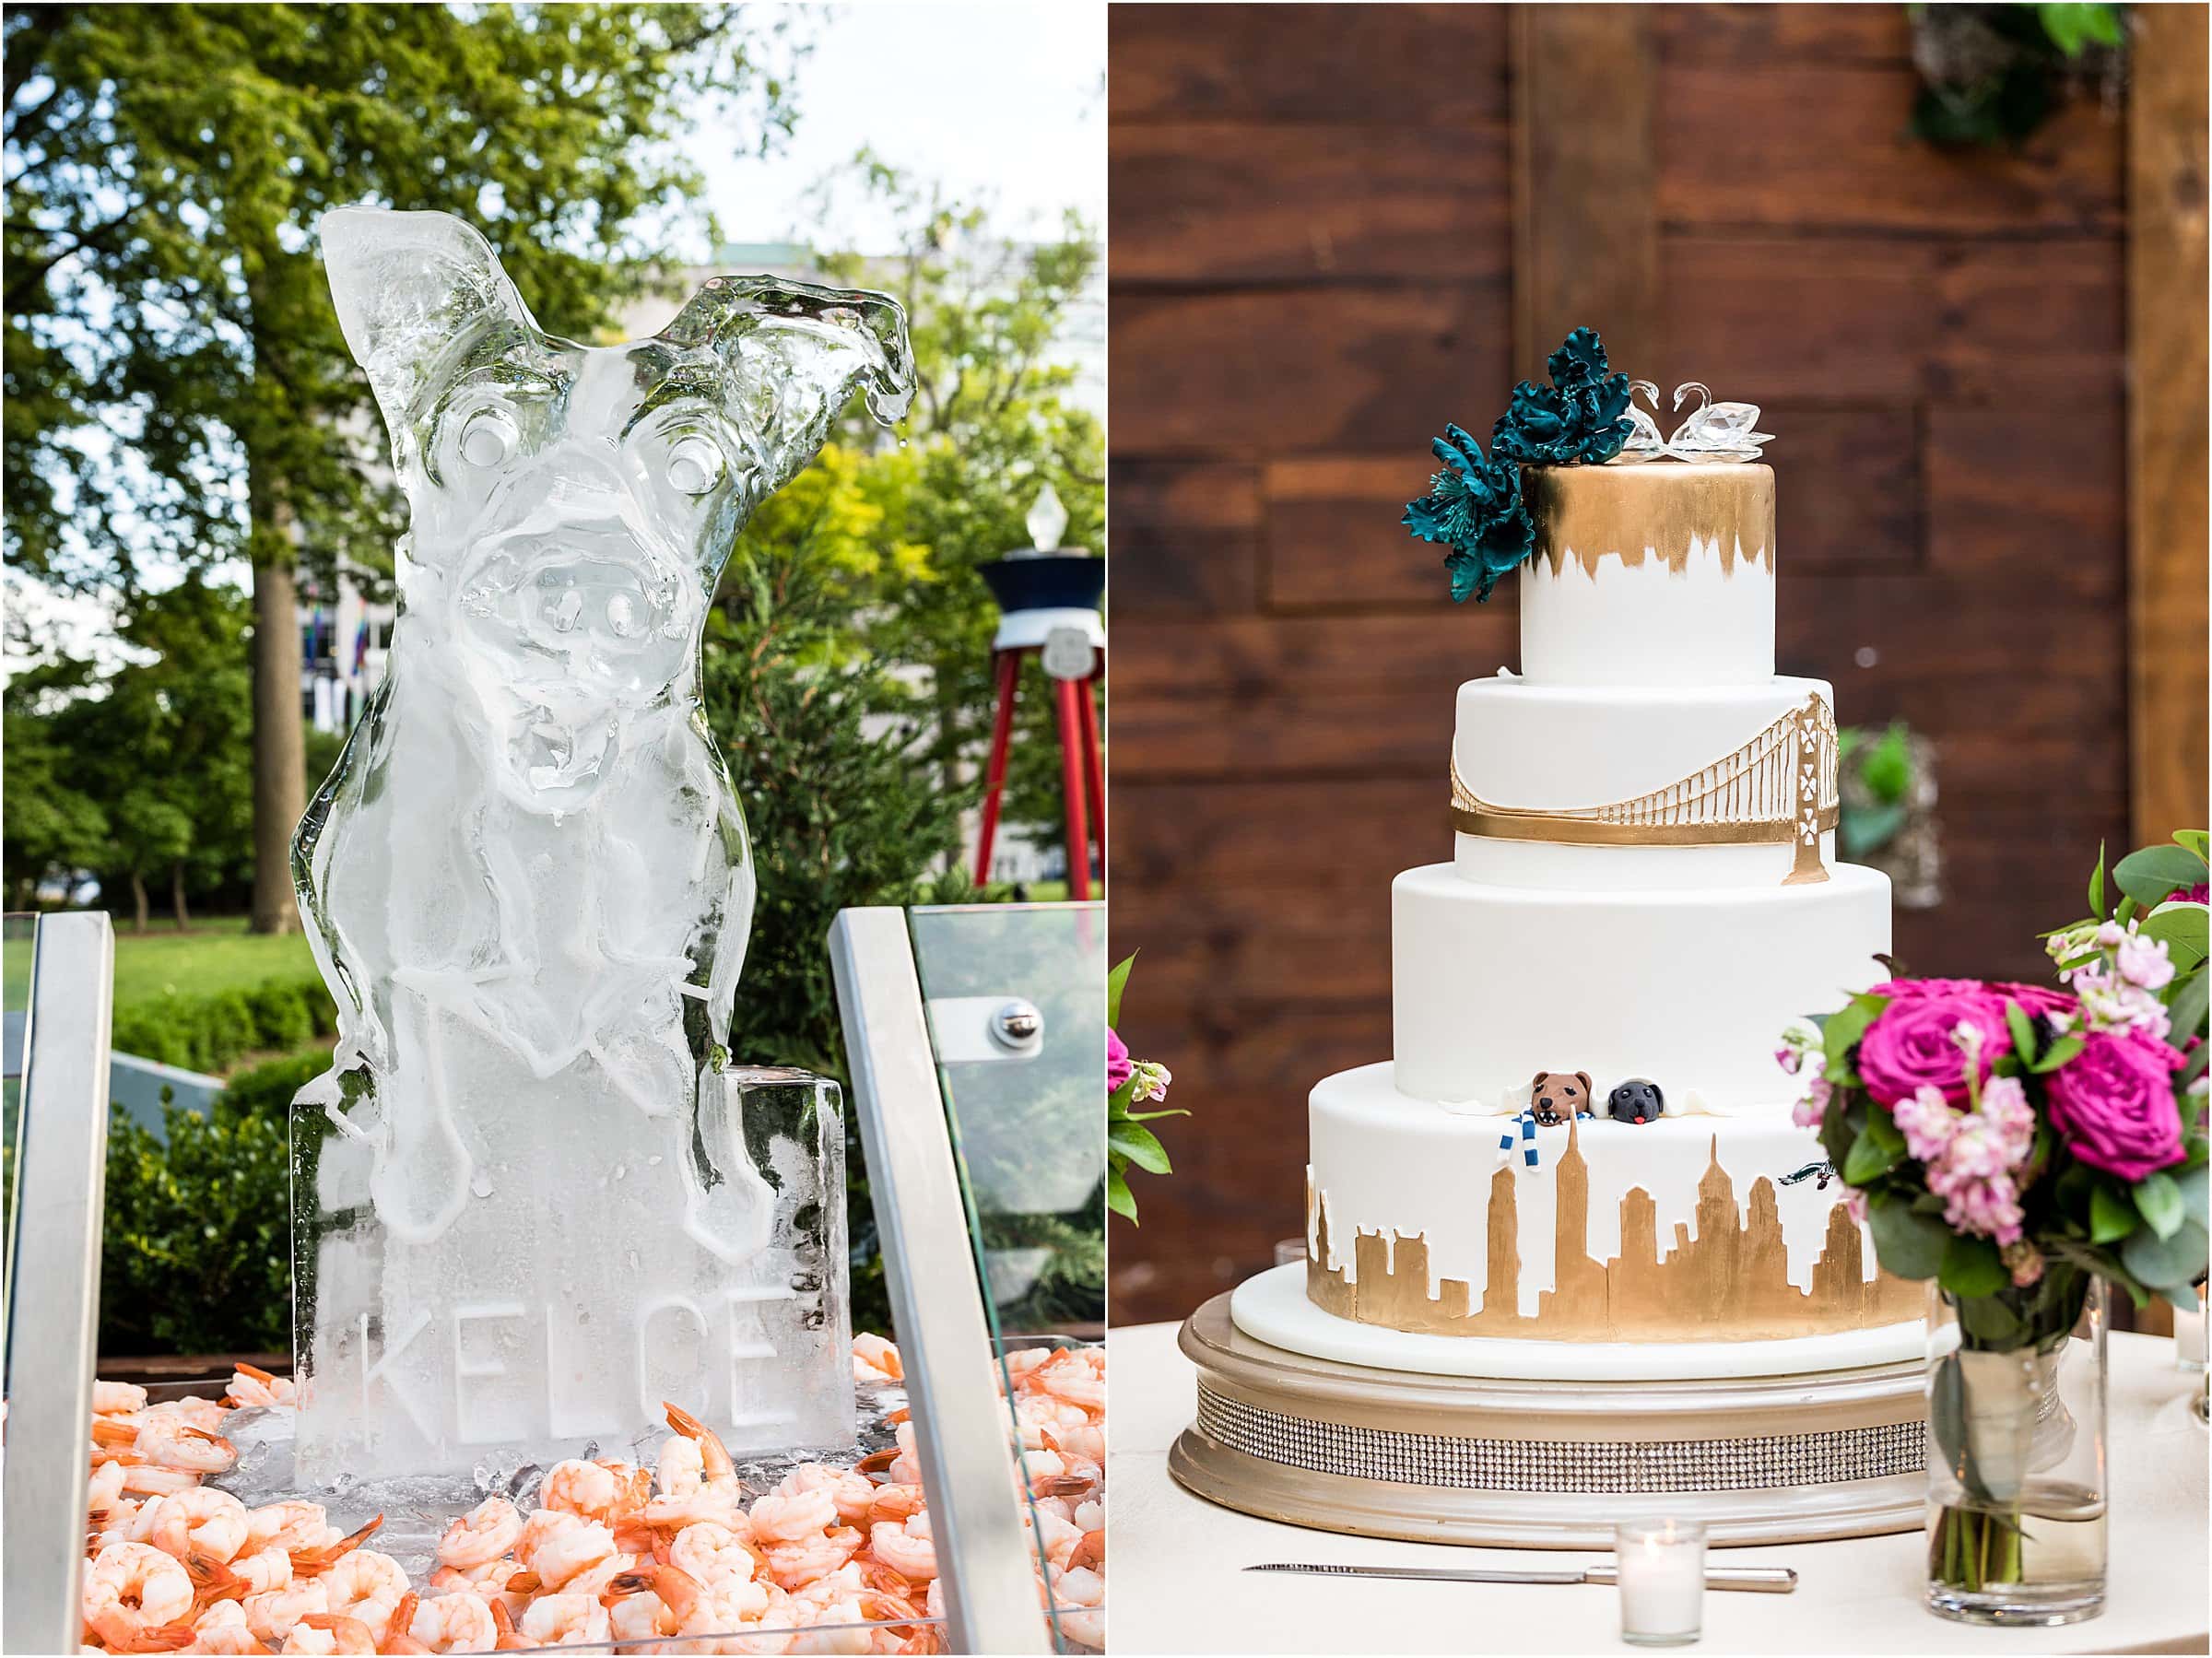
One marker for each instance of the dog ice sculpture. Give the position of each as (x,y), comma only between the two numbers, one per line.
(532,1196)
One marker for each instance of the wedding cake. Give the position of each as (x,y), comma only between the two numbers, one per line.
(1567,1251)
(1582,1134)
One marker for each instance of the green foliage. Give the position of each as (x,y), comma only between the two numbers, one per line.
(210,1033)
(1129,1143)
(196,1254)
(1991,75)
(990,427)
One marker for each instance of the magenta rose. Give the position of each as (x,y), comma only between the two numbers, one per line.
(2198,894)
(1118,1067)
(1920,990)
(2036,999)
(2112,1103)
(1911,1046)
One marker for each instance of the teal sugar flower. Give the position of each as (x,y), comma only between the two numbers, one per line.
(1474,507)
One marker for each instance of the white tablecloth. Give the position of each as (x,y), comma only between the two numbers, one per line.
(1178,1586)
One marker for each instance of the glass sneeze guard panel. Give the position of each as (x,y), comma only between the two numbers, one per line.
(1017,1002)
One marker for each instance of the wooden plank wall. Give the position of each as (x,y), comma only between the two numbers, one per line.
(1311,260)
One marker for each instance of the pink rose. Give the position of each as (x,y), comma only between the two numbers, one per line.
(1117,1061)
(1913,1045)
(1920,990)
(2112,1103)
(2034,999)
(2198,894)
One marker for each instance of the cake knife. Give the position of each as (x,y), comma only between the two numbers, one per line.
(1755,1579)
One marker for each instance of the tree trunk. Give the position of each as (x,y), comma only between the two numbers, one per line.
(280,743)
(176,894)
(138,897)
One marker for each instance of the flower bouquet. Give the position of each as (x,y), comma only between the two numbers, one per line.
(2020,1147)
(1129,1084)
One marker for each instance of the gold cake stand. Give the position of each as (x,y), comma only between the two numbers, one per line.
(1547,1464)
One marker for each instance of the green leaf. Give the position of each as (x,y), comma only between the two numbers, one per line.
(2074,27)
(2160,1199)
(2194,1066)
(2150,875)
(1972,1266)
(2188,1007)
(1118,1197)
(1906,1242)
(1842,1031)
(2023,1032)
(1868,1160)
(2057,1055)
(2195,1183)
(2198,840)
(2112,1216)
(2183,931)
(2158,1262)
(1138,1145)
(1115,981)
(2096,887)
(1882,1129)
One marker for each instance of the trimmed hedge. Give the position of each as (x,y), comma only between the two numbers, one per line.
(207,1033)
(195,1256)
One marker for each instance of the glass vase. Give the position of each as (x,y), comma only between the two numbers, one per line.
(2016,1452)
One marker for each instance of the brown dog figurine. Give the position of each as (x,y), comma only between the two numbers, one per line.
(1556,1096)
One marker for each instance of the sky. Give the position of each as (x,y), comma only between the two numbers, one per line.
(1002,104)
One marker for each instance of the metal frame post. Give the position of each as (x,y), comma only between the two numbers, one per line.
(54,1277)
(987,1562)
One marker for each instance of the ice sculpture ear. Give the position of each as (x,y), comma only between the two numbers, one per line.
(408,286)
(794,352)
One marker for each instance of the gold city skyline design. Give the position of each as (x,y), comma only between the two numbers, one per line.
(1728,1282)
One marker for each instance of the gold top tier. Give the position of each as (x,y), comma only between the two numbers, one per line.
(1656,510)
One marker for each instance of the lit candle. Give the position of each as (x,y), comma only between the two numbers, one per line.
(1662,1566)
(2189,1335)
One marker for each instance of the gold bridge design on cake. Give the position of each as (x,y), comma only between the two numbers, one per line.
(1780,786)
(1730,1282)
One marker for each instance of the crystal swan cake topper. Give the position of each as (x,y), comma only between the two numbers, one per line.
(1587,415)
(1712,431)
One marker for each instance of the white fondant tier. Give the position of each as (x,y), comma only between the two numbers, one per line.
(1688,987)
(1649,575)
(1274,1308)
(1558,748)
(1620,1231)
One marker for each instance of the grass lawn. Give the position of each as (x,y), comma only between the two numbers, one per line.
(217,954)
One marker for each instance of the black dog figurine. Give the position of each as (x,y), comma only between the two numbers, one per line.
(1636,1101)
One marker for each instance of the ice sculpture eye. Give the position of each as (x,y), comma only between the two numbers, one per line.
(695,464)
(622,616)
(490,438)
(565,610)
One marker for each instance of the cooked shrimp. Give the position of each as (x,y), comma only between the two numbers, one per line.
(782,1517)
(711,1553)
(272,1615)
(202,1520)
(286,1525)
(366,1585)
(1070,1377)
(117,1398)
(639,1616)
(315,1561)
(604,1491)
(323,1632)
(561,1553)
(906,1547)
(482,1535)
(895,1503)
(795,1565)
(106,1488)
(875,1359)
(852,1492)
(150,1480)
(454,1623)
(263,1570)
(716,1465)
(132,1590)
(251,1386)
(701,1609)
(169,1441)
(564,1620)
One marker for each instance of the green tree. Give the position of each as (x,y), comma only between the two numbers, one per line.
(177,392)
(51,822)
(992,426)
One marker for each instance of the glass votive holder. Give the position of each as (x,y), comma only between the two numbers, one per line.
(2189,1335)
(1662,1574)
